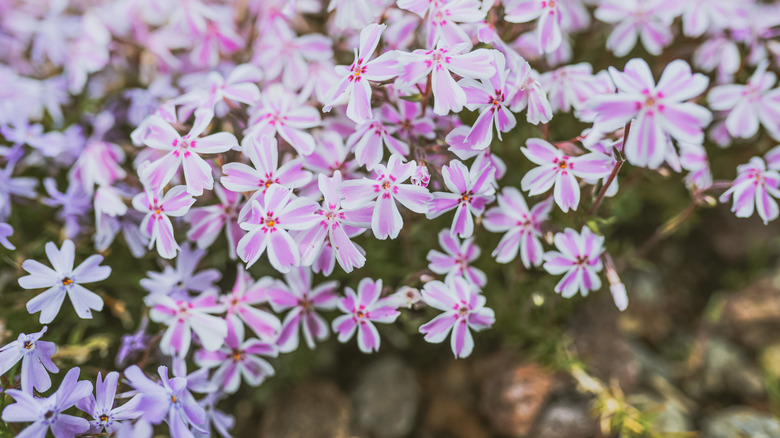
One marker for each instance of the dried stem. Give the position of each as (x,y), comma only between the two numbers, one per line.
(612,176)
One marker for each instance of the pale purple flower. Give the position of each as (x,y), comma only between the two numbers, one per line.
(47,413)
(36,359)
(239,86)
(754,190)
(463,310)
(185,316)
(133,344)
(63,280)
(221,421)
(647,20)
(659,109)
(561,171)
(750,104)
(719,53)
(281,112)
(491,98)
(354,83)
(288,55)
(522,227)
(331,236)
(383,191)
(268,227)
(457,260)
(441,63)
(156,224)
(207,222)
(443,18)
(168,400)
(263,153)
(184,152)
(243,298)
(5,232)
(74,205)
(579,258)
(180,281)
(470,190)
(303,300)
(238,359)
(14,186)
(106,417)
(548,12)
(354,14)
(368,139)
(362,310)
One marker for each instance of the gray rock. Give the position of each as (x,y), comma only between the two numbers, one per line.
(740,422)
(315,410)
(727,370)
(566,419)
(386,398)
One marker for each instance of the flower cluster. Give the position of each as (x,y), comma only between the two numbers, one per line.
(240,123)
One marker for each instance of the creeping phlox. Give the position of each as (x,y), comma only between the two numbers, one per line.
(241,122)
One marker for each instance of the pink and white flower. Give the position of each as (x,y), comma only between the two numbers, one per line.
(184,152)
(268,226)
(491,98)
(750,104)
(185,316)
(330,240)
(579,258)
(464,310)
(561,171)
(156,224)
(754,190)
(281,112)
(548,12)
(263,154)
(522,227)
(457,260)
(659,109)
(302,300)
(354,84)
(441,63)
(469,192)
(207,222)
(383,191)
(367,141)
(441,25)
(362,310)
(238,359)
(242,302)
(647,20)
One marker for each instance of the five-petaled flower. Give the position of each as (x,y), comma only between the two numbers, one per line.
(522,226)
(184,152)
(560,170)
(354,84)
(469,192)
(106,417)
(659,109)
(457,260)
(362,310)
(36,359)
(302,299)
(386,188)
(156,224)
(754,190)
(579,257)
(464,310)
(64,280)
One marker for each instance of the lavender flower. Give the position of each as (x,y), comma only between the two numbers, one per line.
(36,359)
(106,417)
(63,280)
